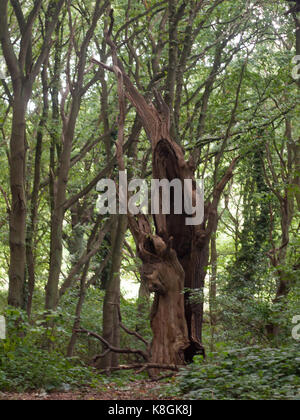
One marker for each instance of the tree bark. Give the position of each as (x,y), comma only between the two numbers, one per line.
(23,71)
(80,302)
(143,305)
(35,196)
(111,327)
(177,255)
(213,288)
(69,124)
(17,228)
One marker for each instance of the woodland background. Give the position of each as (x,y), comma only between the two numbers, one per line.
(224,69)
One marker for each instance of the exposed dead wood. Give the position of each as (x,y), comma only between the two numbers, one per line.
(145,366)
(176,255)
(112,348)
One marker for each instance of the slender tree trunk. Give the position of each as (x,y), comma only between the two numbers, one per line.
(287,212)
(69,125)
(57,218)
(213,288)
(76,325)
(297,23)
(34,197)
(17,219)
(111,328)
(297,172)
(23,71)
(143,305)
(278,259)
(283,277)
(297,145)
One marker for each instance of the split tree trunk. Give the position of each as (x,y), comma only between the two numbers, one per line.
(165,277)
(177,255)
(168,324)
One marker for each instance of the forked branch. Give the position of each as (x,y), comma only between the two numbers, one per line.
(112,348)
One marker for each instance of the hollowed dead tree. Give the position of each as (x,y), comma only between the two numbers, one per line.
(175,257)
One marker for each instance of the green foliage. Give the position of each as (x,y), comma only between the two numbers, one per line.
(215,44)
(26,365)
(243,374)
(136,317)
(33,354)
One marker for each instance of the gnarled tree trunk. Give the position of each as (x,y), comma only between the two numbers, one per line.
(176,256)
(165,277)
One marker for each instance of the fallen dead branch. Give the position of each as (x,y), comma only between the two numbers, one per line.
(112,348)
(142,367)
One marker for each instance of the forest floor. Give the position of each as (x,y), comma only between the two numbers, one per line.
(140,390)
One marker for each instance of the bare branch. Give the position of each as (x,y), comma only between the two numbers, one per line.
(112,348)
